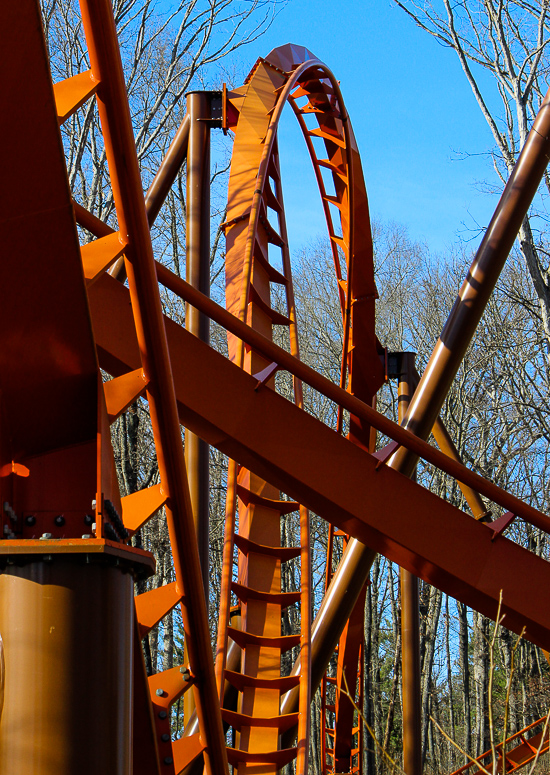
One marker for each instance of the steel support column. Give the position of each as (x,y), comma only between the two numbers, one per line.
(410,625)
(67,623)
(197,271)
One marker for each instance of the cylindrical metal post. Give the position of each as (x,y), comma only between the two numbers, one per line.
(410,625)
(168,171)
(198,275)
(197,271)
(67,629)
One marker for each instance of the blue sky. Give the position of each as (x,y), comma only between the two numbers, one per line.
(419,130)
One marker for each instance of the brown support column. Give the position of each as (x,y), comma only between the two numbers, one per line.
(410,625)
(66,629)
(197,272)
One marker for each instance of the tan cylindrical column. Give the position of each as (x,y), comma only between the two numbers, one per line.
(197,271)
(67,630)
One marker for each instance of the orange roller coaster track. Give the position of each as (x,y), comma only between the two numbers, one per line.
(74,692)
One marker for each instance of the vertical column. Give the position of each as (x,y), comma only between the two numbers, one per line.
(198,275)
(67,630)
(410,626)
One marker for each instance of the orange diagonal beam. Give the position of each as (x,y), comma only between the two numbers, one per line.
(380,507)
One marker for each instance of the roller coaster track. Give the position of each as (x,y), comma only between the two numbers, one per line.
(255,202)
(517,751)
(71,665)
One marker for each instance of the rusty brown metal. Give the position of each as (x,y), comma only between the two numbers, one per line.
(410,624)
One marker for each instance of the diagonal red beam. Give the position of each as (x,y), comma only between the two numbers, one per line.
(381,508)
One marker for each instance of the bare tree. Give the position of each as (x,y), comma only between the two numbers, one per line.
(509,40)
(166,49)
(497,414)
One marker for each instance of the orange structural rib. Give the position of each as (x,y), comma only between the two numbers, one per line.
(250,273)
(517,751)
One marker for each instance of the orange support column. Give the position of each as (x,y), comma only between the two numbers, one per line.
(197,270)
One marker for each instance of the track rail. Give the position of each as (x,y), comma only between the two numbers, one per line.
(291,75)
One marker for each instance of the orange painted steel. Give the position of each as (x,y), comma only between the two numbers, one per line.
(114,113)
(59,478)
(292,73)
(524,750)
(65,526)
(446,459)
(403,437)
(260,513)
(438,530)
(74,616)
(410,525)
